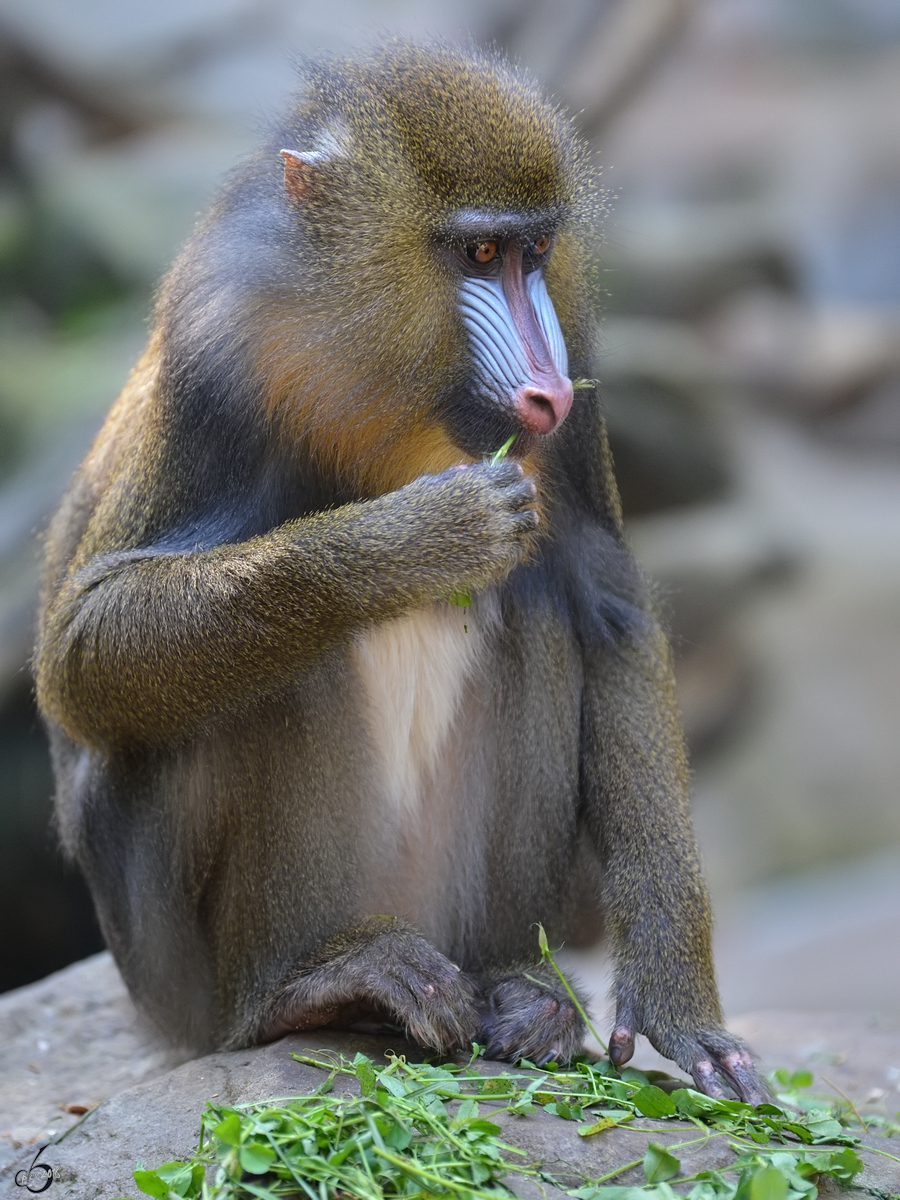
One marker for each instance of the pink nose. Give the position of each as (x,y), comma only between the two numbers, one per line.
(541,409)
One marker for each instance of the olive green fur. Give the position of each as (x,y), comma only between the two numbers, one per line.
(415,141)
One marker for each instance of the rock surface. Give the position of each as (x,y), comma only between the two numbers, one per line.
(70,1041)
(74,1040)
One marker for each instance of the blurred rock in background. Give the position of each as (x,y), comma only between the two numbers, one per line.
(750,361)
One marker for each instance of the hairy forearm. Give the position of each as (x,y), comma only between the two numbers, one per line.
(637,806)
(147,648)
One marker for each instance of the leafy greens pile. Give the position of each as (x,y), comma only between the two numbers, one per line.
(423,1130)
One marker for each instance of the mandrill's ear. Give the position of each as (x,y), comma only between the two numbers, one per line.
(300,172)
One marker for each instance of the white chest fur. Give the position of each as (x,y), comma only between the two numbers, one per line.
(415,671)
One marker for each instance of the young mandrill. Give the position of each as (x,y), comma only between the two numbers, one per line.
(305,788)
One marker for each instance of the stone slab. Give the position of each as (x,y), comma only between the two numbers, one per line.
(80,1029)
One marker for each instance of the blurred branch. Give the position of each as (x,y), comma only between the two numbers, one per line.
(627,44)
(595,55)
(29,77)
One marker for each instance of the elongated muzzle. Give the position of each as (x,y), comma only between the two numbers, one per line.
(517,346)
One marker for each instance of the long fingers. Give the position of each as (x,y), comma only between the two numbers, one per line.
(740,1070)
(715,1059)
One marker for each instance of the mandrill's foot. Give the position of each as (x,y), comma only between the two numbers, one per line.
(382,970)
(529,1014)
(711,1056)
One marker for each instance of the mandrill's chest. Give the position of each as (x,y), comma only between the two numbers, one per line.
(428,692)
(418,674)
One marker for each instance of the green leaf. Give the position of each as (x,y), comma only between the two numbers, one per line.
(768,1184)
(824,1128)
(184,1179)
(397,1137)
(467,1110)
(488,1128)
(481,1173)
(365,1073)
(654,1102)
(693,1104)
(633,1075)
(495,1084)
(845,1164)
(460,599)
(598,1127)
(150,1183)
(659,1164)
(801,1079)
(172,1171)
(229,1130)
(394,1086)
(256,1157)
(172,1178)
(799,1131)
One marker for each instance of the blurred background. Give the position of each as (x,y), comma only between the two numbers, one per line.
(750,361)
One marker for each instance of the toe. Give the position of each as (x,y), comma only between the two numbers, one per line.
(740,1071)
(706,1079)
(621,1045)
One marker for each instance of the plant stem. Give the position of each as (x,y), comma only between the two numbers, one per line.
(856,1111)
(547,956)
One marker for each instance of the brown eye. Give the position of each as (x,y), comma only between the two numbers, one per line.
(542,244)
(482,252)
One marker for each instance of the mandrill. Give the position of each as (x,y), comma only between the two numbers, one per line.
(305,786)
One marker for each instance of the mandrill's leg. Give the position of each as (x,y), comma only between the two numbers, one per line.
(381,969)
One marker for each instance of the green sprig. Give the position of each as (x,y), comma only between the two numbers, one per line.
(418,1127)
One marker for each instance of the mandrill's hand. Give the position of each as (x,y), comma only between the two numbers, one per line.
(479,521)
(710,1055)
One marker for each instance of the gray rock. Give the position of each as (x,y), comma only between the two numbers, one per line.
(81,1032)
(73,1039)
(160,1121)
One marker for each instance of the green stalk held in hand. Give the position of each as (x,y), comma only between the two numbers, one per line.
(464,599)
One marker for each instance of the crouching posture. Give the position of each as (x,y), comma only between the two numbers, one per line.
(340,707)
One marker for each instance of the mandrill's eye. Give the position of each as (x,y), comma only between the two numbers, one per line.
(482,252)
(542,244)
